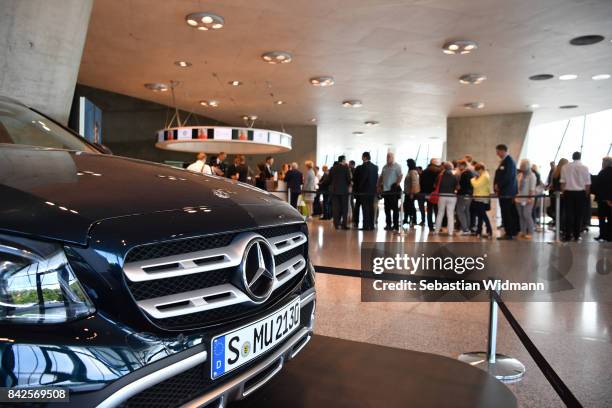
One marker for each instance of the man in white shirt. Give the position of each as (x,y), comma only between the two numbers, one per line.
(575,184)
(389,185)
(200,166)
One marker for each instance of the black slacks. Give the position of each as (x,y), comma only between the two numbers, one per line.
(509,215)
(575,206)
(604,211)
(391,209)
(340,209)
(367,207)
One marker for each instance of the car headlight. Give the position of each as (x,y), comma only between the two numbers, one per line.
(38,285)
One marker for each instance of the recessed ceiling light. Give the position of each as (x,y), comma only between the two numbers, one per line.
(249,117)
(474,105)
(205,21)
(473,79)
(235,83)
(371,123)
(352,103)
(210,103)
(459,47)
(600,77)
(586,40)
(541,77)
(279,102)
(277,57)
(313,119)
(182,64)
(358,133)
(568,106)
(568,77)
(322,81)
(157,87)
(533,106)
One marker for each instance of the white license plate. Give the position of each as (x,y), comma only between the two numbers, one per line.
(233,349)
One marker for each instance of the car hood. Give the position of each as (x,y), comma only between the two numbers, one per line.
(60,195)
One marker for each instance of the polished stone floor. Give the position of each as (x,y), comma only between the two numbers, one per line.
(575,337)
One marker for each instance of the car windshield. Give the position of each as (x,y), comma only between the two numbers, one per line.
(22,126)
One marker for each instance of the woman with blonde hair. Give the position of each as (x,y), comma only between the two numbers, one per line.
(310,185)
(481,202)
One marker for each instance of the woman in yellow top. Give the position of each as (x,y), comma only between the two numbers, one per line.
(481,201)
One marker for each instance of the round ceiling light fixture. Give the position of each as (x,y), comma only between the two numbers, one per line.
(541,77)
(568,106)
(157,87)
(371,123)
(533,106)
(182,64)
(352,103)
(474,105)
(279,102)
(567,77)
(322,81)
(313,120)
(587,39)
(472,79)
(235,83)
(600,77)
(277,57)
(358,133)
(459,47)
(205,21)
(212,103)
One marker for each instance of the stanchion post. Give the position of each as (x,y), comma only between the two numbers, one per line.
(557,216)
(500,366)
(288,195)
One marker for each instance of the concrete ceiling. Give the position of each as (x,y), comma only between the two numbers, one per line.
(385,52)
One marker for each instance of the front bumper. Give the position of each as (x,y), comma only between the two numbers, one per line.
(130,376)
(218,394)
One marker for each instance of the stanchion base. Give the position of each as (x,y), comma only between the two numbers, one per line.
(504,369)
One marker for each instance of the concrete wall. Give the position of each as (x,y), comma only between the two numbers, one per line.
(41,43)
(478,136)
(130,125)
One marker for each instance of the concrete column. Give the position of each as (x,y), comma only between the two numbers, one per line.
(478,136)
(41,43)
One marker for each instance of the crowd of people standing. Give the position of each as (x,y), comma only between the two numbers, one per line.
(443,196)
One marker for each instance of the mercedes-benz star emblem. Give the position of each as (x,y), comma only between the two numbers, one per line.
(221,193)
(258,269)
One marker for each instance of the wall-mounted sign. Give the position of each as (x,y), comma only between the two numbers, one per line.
(215,139)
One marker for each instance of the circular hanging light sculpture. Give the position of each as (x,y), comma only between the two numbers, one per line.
(205,21)
(216,139)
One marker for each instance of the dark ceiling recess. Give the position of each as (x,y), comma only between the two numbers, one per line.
(586,40)
(568,106)
(541,77)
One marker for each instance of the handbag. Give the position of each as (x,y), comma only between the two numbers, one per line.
(434,197)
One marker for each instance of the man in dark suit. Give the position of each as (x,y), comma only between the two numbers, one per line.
(506,187)
(364,187)
(339,182)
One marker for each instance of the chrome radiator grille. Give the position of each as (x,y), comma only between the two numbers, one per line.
(194,282)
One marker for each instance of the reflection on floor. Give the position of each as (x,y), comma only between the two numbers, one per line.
(576,338)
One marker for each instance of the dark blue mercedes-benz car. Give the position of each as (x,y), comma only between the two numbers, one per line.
(135,284)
